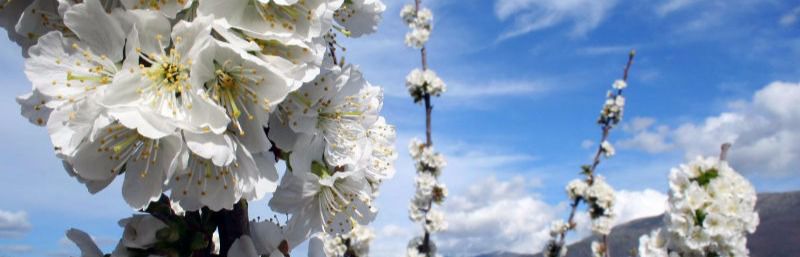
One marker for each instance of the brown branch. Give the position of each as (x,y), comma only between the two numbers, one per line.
(426,240)
(606,128)
(723,155)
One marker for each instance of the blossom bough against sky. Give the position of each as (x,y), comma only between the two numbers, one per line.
(519,106)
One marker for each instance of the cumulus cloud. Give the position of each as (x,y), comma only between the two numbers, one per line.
(518,220)
(533,15)
(14,224)
(790,18)
(764,132)
(633,205)
(646,137)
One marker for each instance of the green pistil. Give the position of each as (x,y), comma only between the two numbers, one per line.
(320,169)
(125,144)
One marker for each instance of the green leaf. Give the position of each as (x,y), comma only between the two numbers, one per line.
(706,177)
(699,217)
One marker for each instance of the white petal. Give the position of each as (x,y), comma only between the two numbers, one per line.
(243,247)
(268,175)
(32,106)
(316,247)
(219,148)
(307,149)
(84,242)
(147,124)
(144,181)
(90,22)
(93,186)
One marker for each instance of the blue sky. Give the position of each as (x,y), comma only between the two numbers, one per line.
(526,80)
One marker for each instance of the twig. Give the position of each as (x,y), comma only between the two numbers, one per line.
(606,128)
(723,155)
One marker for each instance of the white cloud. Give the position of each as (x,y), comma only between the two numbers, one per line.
(586,144)
(516,220)
(15,249)
(765,133)
(649,140)
(495,89)
(533,15)
(673,5)
(14,224)
(790,18)
(633,205)
(603,50)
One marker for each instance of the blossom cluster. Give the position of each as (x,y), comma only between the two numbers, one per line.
(709,213)
(354,243)
(593,190)
(419,83)
(614,106)
(420,23)
(198,99)
(422,84)
(429,190)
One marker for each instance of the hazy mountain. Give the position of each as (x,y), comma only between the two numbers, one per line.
(777,235)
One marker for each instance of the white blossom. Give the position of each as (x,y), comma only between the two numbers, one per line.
(84,242)
(576,189)
(408,13)
(415,148)
(140,231)
(598,249)
(653,244)
(324,199)
(558,227)
(420,82)
(711,209)
(620,84)
(168,8)
(435,221)
(186,98)
(607,148)
(417,38)
(330,116)
(360,17)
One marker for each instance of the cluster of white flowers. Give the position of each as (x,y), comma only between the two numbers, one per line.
(420,23)
(422,84)
(614,106)
(419,83)
(429,190)
(710,212)
(426,159)
(593,189)
(197,99)
(354,243)
(598,249)
(607,148)
(600,198)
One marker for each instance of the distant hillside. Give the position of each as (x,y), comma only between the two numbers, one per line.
(778,234)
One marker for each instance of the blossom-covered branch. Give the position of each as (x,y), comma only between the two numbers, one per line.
(422,84)
(593,189)
(193,102)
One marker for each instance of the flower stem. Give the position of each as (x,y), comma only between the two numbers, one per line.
(606,127)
